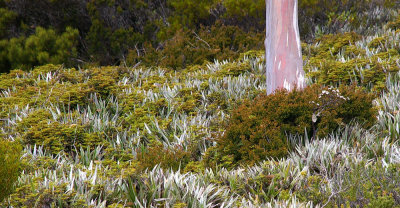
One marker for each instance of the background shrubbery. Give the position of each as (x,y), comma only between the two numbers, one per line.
(43,47)
(171,34)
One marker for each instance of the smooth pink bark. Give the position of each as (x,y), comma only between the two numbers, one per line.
(284,63)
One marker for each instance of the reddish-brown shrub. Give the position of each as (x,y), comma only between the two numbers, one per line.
(174,158)
(258,129)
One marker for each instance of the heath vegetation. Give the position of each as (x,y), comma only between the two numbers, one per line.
(162,104)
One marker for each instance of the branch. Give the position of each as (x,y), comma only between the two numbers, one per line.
(198,38)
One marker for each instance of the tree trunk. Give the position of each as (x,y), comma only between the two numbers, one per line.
(284,63)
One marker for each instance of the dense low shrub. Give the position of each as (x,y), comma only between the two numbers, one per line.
(10,153)
(345,59)
(259,128)
(364,186)
(395,24)
(189,47)
(169,158)
(56,137)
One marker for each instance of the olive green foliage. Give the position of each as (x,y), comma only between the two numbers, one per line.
(247,14)
(156,154)
(364,186)
(42,47)
(6,17)
(338,107)
(107,29)
(134,32)
(190,14)
(258,129)
(10,153)
(346,58)
(332,16)
(67,88)
(56,137)
(395,25)
(187,47)
(110,36)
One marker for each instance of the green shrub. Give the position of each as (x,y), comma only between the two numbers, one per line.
(258,129)
(6,17)
(190,47)
(189,13)
(394,25)
(74,94)
(118,26)
(108,46)
(103,80)
(170,158)
(338,107)
(234,69)
(244,13)
(10,154)
(56,137)
(334,15)
(336,59)
(364,186)
(43,47)
(33,119)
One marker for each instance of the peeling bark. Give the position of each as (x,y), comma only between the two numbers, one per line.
(284,63)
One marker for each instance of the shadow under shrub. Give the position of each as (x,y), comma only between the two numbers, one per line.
(258,129)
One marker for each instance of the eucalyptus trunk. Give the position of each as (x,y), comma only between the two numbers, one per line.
(284,63)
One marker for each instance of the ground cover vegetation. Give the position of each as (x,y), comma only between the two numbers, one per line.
(191,131)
